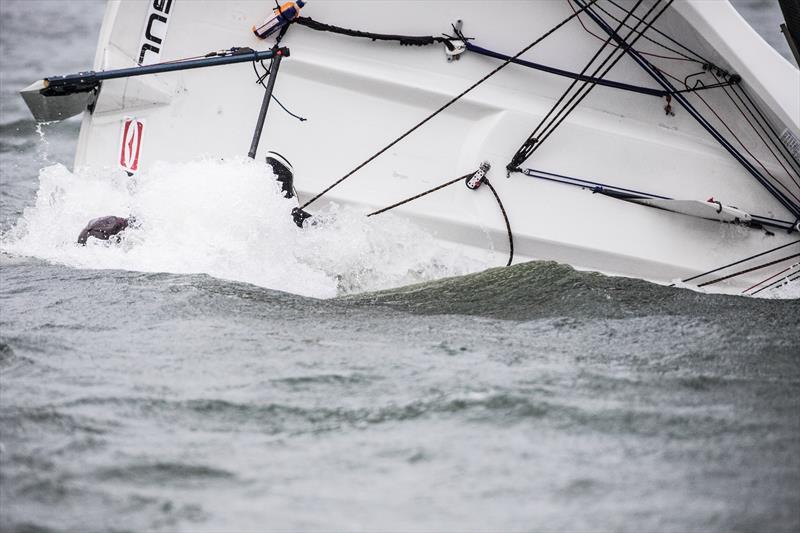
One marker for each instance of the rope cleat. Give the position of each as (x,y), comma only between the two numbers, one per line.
(476,180)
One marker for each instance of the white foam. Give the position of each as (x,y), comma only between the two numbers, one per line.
(227,219)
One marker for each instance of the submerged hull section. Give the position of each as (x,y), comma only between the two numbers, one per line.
(359,95)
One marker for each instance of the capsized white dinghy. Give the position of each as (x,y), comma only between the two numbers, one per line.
(681,117)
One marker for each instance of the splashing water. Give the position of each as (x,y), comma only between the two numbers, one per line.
(228,219)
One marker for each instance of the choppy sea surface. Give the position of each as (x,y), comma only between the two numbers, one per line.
(527,398)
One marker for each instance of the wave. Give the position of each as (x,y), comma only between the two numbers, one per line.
(544,289)
(228,219)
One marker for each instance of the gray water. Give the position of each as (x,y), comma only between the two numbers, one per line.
(529,398)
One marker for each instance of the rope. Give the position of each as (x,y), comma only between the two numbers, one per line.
(758,133)
(774,139)
(599,81)
(535,139)
(683,57)
(445,106)
(765,265)
(785,280)
(404,40)
(524,151)
(589,87)
(505,218)
(769,125)
(260,80)
(702,59)
(448,183)
(739,262)
(759,176)
(567,74)
(648,67)
(790,267)
(420,195)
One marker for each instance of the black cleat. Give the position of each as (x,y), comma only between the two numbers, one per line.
(299,216)
(283,173)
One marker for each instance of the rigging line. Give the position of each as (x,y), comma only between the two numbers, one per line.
(404,40)
(774,138)
(744,147)
(620,56)
(648,67)
(745,271)
(567,74)
(524,151)
(702,59)
(740,261)
(785,280)
(660,93)
(602,188)
(260,80)
(696,89)
(789,172)
(590,32)
(767,122)
(420,195)
(445,106)
(505,218)
(585,68)
(771,277)
(448,183)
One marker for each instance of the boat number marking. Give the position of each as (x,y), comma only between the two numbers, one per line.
(131,144)
(155,31)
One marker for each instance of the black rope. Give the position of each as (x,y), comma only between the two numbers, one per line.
(648,67)
(527,147)
(773,137)
(738,154)
(776,275)
(785,280)
(448,183)
(567,74)
(745,271)
(404,40)
(446,105)
(795,207)
(535,139)
(260,80)
(505,218)
(420,195)
(769,125)
(758,133)
(624,45)
(740,261)
(656,30)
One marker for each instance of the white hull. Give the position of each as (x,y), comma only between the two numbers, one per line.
(358,95)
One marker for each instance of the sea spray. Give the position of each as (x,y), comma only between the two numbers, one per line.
(225,218)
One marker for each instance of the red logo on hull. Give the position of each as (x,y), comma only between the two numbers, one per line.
(131,144)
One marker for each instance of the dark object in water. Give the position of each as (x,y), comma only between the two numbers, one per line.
(103,228)
(285,176)
(283,173)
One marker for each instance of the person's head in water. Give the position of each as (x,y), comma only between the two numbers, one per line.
(104,228)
